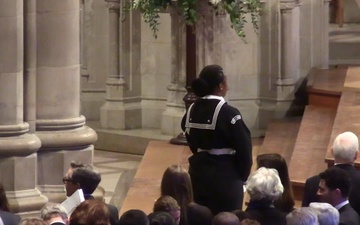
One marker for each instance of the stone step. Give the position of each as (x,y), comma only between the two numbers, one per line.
(344,44)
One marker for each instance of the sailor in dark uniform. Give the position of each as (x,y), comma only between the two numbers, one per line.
(220,142)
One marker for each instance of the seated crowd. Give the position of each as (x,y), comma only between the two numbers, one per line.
(330,198)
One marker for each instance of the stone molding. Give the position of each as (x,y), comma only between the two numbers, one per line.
(113,5)
(60,124)
(69,139)
(25,144)
(289,5)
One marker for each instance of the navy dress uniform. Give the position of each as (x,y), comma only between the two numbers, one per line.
(222,153)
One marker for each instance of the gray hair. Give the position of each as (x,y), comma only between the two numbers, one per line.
(327,214)
(51,210)
(302,216)
(264,183)
(345,146)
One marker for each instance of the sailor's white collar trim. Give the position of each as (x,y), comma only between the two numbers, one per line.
(214,97)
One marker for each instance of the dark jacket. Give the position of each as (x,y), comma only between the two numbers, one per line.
(265,213)
(348,216)
(9,218)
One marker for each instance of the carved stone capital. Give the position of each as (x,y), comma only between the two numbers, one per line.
(288,5)
(113,5)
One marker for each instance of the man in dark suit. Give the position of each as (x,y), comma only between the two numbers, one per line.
(8,218)
(84,176)
(334,188)
(345,150)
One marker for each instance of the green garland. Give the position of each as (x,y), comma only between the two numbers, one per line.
(236,9)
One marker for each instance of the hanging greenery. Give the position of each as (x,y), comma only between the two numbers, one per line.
(236,9)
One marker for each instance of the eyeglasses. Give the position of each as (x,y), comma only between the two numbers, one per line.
(65,179)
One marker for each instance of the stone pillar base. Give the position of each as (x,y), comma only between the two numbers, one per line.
(117,115)
(26,203)
(20,181)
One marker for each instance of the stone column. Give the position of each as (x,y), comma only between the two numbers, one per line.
(17,146)
(171,117)
(325,36)
(112,113)
(83,42)
(290,51)
(59,124)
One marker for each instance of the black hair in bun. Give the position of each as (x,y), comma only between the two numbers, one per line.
(209,79)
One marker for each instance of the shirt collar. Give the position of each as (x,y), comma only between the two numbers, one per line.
(338,206)
(214,97)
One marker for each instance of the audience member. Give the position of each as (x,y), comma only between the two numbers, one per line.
(168,204)
(225,218)
(199,215)
(177,184)
(274,160)
(302,216)
(326,213)
(133,217)
(264,187)
(6,217)
(345,151)
(54,214)
(90,212)
(32,221)
(161,218)
(84,176)
(241,215)
(334,188)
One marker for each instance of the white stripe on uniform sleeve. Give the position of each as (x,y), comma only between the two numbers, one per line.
(236,118)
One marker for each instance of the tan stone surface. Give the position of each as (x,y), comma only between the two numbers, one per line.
(145,188)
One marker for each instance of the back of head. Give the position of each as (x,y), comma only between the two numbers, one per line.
(161,218)
(176,183)
(90,212)
(87,177)
(4,204)
(32,221)
(209,79)
(336,178)
(327,214)
(166,203)
(199,215)
(52,210)
(302,216)
(264,184)
(345,147)
(276,161)
(225,218)
(241,215)
(133,217)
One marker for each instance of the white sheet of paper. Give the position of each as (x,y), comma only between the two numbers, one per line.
(74,200)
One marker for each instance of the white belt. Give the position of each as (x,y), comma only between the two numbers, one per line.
(218,151)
